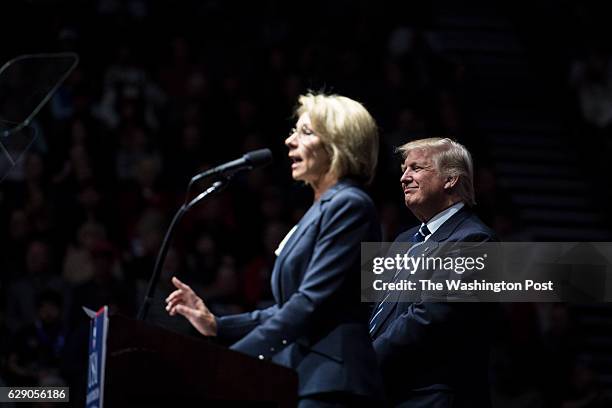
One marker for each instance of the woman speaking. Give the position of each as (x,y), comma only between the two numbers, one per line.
(318,325)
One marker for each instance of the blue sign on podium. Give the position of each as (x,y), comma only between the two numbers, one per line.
(97,357)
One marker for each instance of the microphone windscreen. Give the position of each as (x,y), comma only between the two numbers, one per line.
(259,158)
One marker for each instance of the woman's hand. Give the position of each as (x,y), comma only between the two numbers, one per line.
(185,302)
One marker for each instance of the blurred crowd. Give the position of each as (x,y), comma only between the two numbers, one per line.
(149,106)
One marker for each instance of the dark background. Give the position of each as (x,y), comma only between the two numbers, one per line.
(166,89)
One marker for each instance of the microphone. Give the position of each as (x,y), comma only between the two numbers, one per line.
(251,160)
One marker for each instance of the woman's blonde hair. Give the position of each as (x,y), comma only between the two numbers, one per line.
(348,132)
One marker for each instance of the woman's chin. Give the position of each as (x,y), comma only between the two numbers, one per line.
(297,176)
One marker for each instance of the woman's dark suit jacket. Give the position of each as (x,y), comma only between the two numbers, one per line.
(318,325)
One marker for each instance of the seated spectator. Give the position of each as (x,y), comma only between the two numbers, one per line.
(592,80)
(78,265)
(38,277)
(35,352)
(104,288)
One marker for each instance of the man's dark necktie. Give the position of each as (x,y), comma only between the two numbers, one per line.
(418,236)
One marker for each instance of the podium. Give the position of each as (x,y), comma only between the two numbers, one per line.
(147,366)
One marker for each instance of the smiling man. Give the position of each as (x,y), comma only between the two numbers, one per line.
(435,354)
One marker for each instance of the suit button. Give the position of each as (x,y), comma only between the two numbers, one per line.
(271,348)
(261,357)
(284,341)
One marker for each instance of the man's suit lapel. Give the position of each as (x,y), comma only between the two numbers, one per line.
(392,301)
(440,235)
(450,225)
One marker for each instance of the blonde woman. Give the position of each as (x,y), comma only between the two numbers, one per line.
(318,325)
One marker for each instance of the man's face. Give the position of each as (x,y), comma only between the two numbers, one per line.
(423,185)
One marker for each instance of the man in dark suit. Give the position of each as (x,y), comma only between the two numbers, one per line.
(435,354)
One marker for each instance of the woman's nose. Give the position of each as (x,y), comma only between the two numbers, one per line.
(290,140)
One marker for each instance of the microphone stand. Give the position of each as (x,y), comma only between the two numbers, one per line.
(161,255)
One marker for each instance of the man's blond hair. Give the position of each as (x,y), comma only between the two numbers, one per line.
(451,159)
